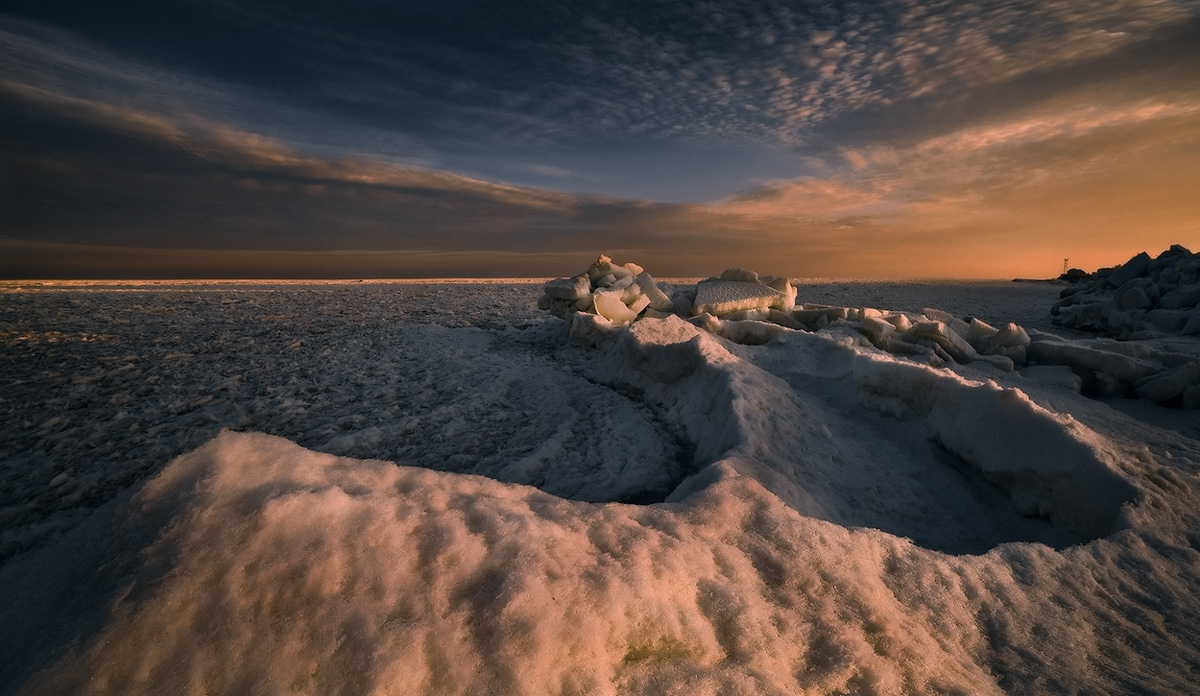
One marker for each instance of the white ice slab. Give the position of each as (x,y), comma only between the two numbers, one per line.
(720,297)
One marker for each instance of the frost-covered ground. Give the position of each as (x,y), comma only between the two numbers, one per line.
(200,493)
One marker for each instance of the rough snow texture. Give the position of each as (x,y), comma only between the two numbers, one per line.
(841,519)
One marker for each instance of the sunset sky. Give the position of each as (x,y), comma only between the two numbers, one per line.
(394,138)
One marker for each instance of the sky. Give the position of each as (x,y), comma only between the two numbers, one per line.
(407,138)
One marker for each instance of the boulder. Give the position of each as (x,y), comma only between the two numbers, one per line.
(1133,268)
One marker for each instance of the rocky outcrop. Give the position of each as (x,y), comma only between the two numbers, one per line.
(1142,298)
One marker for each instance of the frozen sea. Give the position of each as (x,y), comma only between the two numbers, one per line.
(398,487)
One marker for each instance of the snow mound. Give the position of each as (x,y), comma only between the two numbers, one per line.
(282,569)
(746,418)
(1050,464)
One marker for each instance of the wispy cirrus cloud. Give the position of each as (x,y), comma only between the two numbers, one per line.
(544,73)
(775,71)
(471,85)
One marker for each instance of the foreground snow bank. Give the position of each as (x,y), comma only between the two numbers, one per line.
(265,566)
(285,569)
(252,563)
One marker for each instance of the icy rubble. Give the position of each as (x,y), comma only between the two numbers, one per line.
(1134,369)
(619,293)
(1142,298)
(746,309)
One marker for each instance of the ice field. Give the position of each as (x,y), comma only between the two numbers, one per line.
(436,487)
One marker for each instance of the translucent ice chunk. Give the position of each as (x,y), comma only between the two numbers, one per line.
(568,288)
(658,298)
(609,305)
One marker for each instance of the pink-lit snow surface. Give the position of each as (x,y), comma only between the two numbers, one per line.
(405,488)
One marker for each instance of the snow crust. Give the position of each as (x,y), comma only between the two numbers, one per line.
(834,518)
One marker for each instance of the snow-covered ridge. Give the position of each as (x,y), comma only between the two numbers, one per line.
(744,420)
